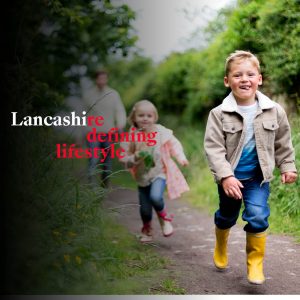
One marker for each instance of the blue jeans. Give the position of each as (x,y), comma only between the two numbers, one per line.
(151,196)
(256,211)
(94,163)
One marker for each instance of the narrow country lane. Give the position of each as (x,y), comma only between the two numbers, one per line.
(190,251)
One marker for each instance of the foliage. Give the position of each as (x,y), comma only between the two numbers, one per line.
(61,239)
(279,29)
(170,86)
(127,76)
(147,157)
(53,43)
(289,205)
(218,24)
(48,45)
(192,82)
(168,286)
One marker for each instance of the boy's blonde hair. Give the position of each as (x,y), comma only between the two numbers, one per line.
(241,55)
(136,106)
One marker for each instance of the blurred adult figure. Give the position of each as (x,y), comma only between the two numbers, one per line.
(102,100)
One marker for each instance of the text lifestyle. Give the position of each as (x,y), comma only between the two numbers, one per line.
(71,151)
(113,137)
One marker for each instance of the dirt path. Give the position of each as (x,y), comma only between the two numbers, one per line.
(190,251)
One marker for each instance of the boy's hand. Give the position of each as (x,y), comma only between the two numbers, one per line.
(232,187)
(288,177)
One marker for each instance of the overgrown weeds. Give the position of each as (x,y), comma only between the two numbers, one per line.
(60,240)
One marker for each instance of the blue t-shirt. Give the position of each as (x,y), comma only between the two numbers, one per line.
(248,162)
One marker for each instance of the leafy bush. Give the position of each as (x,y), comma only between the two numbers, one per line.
(61,239)
(287,197)
(192,82)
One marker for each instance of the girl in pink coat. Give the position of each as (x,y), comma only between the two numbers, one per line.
(151,165)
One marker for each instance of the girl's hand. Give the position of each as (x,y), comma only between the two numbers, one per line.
(232,187)
(288,177)
(147,157)
(184,162)
(137,157)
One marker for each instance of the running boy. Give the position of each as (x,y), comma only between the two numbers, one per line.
(246,136)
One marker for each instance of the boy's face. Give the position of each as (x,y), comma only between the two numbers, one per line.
(243,79)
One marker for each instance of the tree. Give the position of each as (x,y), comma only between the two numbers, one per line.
(55,41)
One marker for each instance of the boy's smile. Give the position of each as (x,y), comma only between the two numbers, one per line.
(243,79)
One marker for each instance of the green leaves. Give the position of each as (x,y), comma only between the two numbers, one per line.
(190,83)
(148,159)
(54,41)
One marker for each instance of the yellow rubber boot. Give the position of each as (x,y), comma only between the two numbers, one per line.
(255,249)
(220,254)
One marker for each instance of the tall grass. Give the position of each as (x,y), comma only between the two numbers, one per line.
(285,199)
(60,240)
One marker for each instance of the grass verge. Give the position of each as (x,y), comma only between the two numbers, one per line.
(61,240)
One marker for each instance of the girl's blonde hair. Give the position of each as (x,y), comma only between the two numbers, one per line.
(136,106)
(240,55)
